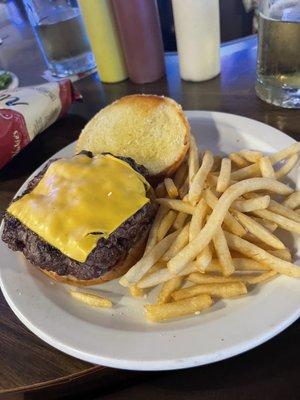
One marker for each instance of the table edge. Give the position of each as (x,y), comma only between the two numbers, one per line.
(53,382)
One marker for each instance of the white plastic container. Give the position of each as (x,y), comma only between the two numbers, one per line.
(197,27)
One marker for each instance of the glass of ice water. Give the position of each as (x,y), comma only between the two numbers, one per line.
(61,35)
(278,59)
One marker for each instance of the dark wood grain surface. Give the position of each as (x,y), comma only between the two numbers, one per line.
(27,363)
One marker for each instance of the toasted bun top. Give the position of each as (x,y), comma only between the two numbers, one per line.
(153,130)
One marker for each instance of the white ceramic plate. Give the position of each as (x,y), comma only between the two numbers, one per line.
(120,337)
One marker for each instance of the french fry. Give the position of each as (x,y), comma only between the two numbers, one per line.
(223,290)
(271,226)
(240,264)
(168,288)
(251,171)
(266,168)
(164,275)
(251,155)
(197,277)
(284,254)
(258,203)
(189,204)
(217,163)
(136,292)
(145,263)
(204,259)
(178,205)
(287,167)
(277,208)
(156,267)
(166,224)
(259,231)
(90,299)
(198,219)
(283,210)
(152,237)
(223,252)
(184,188)
(248,279)
(260,244)
(252,280)
(281,221)
(214,266)
(238,160)
(285,153)
(170,188)
(231,223)
(160,190)
(189,252)
(210,198)
(181,175)
(254,239)
(211,181)
(234,254)
(224,176)
(180,220)
(293,201)
(198,181)
(260,255)
(248,264)
(161,312)
(193,160)
(178,244)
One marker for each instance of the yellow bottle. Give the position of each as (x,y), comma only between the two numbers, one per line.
(101,28)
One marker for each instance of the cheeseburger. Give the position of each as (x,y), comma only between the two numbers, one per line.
(85,219)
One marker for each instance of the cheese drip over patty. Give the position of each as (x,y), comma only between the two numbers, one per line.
(80,200)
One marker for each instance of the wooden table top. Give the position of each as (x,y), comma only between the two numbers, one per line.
(27,363)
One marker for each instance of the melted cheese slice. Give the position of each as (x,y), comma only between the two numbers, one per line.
(79,200)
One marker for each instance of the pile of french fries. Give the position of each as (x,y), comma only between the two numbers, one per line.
(213,234)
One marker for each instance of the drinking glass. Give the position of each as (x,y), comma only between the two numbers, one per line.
(61,35)
(278,59)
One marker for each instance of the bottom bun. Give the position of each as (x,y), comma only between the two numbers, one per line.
(134,254)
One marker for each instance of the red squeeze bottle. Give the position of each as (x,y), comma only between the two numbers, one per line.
(140,35)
